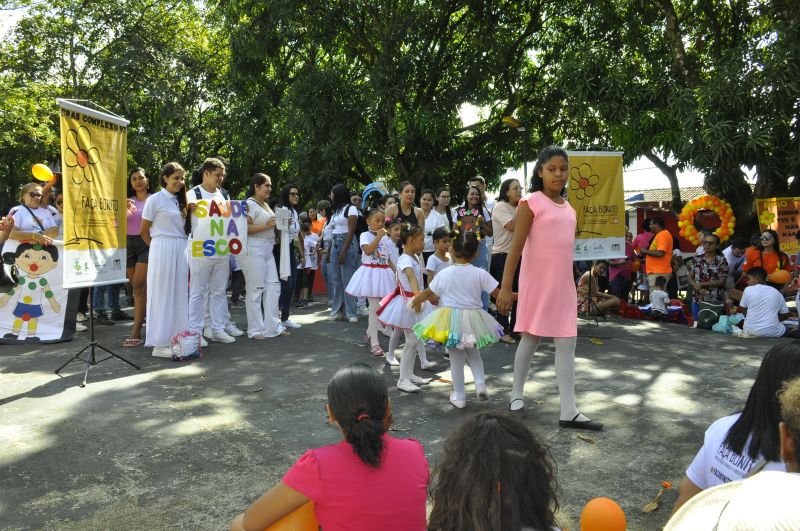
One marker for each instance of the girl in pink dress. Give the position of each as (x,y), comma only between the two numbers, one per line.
(544,235)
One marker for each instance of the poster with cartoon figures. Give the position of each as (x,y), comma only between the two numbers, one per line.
(36,309)
(94,160)
(595,191)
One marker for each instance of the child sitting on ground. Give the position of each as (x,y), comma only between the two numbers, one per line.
(495,474)
(659,300)
(369,480)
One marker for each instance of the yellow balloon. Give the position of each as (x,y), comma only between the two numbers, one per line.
(42,173)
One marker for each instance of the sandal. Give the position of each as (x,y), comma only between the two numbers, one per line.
(258,337)
(132,342)
(377,351)
(507,339)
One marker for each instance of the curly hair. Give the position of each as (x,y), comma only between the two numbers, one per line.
(495,474)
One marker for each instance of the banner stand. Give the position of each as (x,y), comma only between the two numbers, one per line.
(91,347)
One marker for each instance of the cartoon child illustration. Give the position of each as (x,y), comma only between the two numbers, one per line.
(34,261)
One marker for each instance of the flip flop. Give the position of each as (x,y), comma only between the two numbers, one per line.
(377,351)
(132,342)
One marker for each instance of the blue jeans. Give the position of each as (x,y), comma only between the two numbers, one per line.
(340,275)
(482,261)
(99,298)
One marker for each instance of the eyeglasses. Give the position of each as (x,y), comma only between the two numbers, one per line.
(59,202)
(708,242)
(34,195)
(293,194)
(766,237)
(444,197)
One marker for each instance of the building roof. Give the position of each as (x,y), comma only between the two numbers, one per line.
(661,195)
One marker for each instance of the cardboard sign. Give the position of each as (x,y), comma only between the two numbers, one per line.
(219,228)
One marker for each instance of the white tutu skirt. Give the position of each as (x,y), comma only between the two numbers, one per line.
(371,282)
(397,314)
(455,328)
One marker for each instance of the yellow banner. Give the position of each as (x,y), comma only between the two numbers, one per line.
(781,214)
(595,191)
(94,149)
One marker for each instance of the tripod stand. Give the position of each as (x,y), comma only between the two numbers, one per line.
(92,347)
(593,304)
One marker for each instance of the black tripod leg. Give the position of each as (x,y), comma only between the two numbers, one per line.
(76,357)
(118,357)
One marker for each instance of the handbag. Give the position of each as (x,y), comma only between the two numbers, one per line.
(708,314)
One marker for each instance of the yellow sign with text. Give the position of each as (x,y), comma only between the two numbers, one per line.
(94,149)
(781,214)
(595,191)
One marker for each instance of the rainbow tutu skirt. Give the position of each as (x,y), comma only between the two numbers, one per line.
(460,329)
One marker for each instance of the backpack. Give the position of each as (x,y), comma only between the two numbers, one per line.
(199,195)
(361,222)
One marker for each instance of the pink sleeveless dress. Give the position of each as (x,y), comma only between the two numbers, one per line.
(548,298)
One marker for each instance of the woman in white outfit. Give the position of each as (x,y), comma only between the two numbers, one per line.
(163,229)
(260,270)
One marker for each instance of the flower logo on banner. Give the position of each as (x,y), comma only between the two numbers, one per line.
(80,155)
(766,218)
(582,181)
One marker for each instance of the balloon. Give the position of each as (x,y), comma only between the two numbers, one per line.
(779,276)
(682,233)
(42,173)
(602,514)
(302,519)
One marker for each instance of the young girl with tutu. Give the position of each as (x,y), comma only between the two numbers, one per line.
(369,480)
(375,278)
(395,310)
(460,323)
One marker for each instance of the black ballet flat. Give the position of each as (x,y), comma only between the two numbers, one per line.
(581,424)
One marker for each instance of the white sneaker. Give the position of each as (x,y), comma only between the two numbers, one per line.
(288,323)
(353,319)
(460,404)
(80,327)
(203,342)
(481,392)
(427,365)
(232,330)
(363,310)
(392,361)
(335,317)
(162,352)
(207,333)
(80,317)
(406,386)
(419,380)
(221,337)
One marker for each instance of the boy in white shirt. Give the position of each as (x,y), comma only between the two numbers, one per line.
(659,300)
(310,267)
(764,307)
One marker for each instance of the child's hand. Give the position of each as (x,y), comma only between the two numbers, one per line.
(415,305)
(381,233)
(435,300)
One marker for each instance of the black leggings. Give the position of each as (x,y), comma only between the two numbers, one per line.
(496,267)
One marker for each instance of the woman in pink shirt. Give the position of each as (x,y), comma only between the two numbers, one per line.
(368,481)
(137,252)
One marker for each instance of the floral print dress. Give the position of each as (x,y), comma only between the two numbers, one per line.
(709,271)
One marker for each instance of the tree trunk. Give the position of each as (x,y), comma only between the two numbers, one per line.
(672,175)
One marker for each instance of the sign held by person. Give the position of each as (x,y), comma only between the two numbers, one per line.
(221,228)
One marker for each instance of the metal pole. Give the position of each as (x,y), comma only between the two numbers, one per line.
(525,157)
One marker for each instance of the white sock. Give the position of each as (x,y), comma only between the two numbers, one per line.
(393,341)
(423,355)
(476,365)
(522,362)
(565,376)
(458,358)
(372,322)
(409,354)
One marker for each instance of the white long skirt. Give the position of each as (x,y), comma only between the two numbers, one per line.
(263,290)
(167,290)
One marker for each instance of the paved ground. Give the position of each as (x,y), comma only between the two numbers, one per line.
(187,446)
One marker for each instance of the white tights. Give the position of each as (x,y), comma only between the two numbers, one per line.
(458,357)
(394,339)
(372,322)
(409,354)
(565,371)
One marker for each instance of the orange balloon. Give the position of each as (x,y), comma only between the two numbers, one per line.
(602,514)
(779,276)
(302,519)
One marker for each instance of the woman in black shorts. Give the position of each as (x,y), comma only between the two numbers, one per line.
(139,191)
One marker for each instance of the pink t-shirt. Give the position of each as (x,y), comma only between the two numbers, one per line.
(135,219)
(348,494)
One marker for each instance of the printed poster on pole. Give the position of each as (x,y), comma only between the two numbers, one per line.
(595,191)
(781,214)
(94,148)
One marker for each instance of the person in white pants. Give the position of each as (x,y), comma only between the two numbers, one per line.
(260,270)
(209,274)
(163,230)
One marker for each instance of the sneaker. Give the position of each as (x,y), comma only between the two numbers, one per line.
(362,310)
(103,319)
(203,342)
(232,330)
(335,317)
(427,365)
(481,392)
(460,404)
(288,323)
(80,327)
(162,352)
(406,386)
(81,317)
(221,337)
(207,333)
(353,319)
(419,380)
(119,315)
(447,354)
(393,362)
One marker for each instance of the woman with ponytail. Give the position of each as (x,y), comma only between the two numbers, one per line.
(369,480)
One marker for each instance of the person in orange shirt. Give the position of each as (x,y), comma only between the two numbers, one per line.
(317,216)
(767,254)
(659,254)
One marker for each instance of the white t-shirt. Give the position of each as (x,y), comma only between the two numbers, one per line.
(294,224)
(339,222)
(24,222)
(404,262)
(460,286)
(432,222)
(436,264)
(394,253)
(260,216)
(734,265)
(763,304)
(659,300)
(716,464)
(382,253)
(502,213)
(163,211)
(310,248)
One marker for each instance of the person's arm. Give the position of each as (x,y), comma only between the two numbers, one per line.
(255,229)
(420,217)
(524,220)
(144,231)
(783,316)
(351,230)
(276,503)
(485,226)
(301,249)
(421,298)
(6,227)
(369,249)
(412,279)
(686,491)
